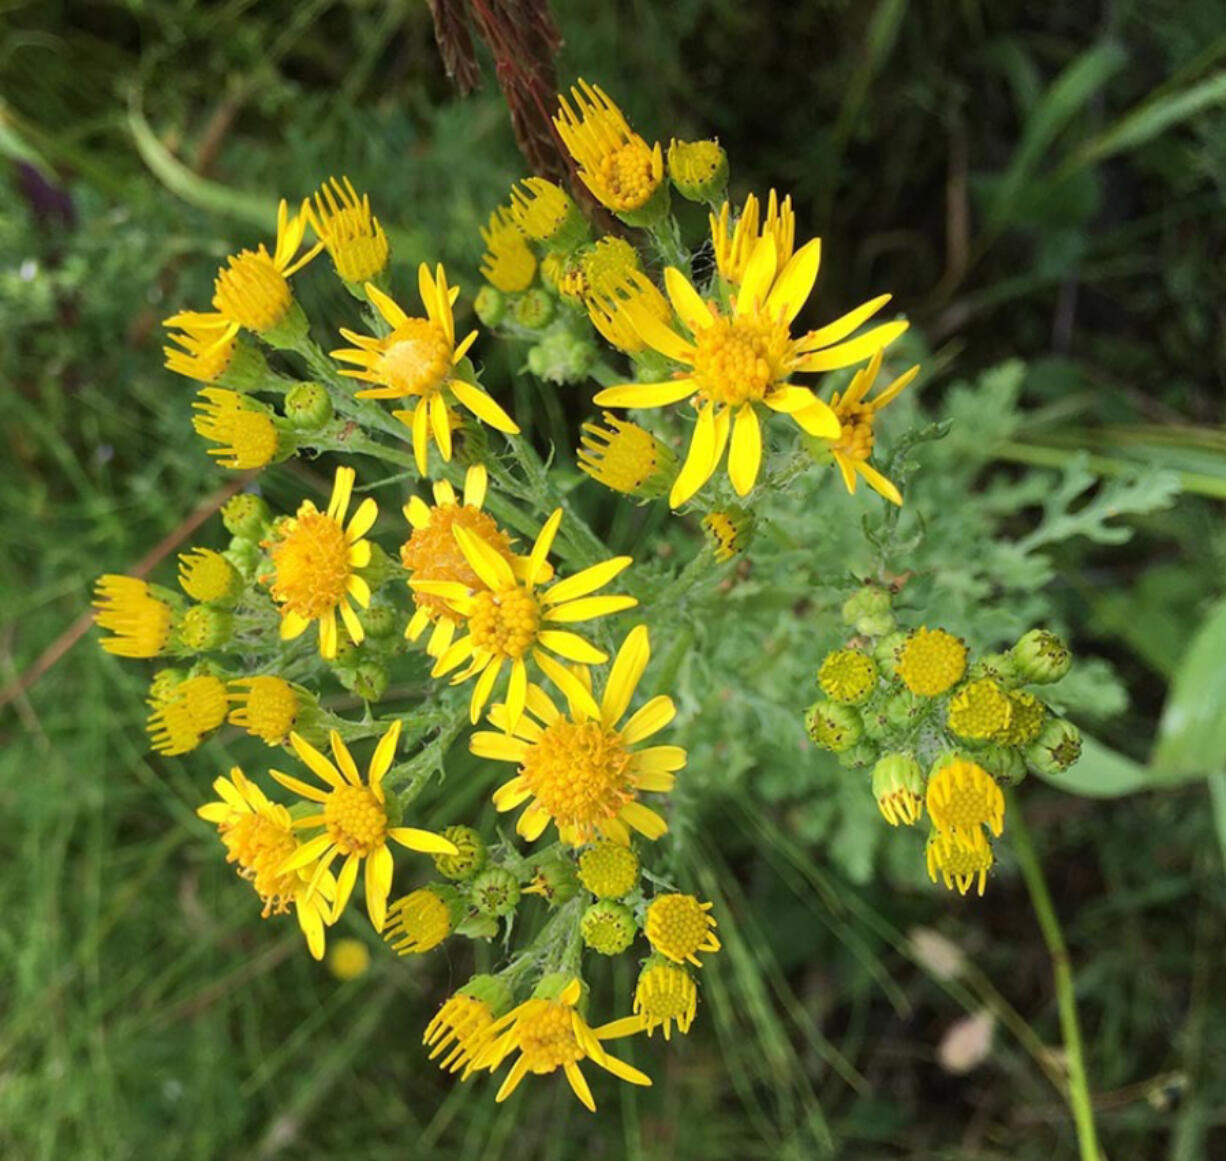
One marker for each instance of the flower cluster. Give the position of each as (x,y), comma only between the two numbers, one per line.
(939,732)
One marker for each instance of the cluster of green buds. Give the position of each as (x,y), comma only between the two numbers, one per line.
(938,731)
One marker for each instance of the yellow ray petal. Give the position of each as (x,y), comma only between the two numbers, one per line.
(386,306)
(587,581)
(646,394)
(378,882)
(795,282)
(571,646)
(698,467)
(424,841)
(315,761)
(540,549)
(842,326)
(650,719)
(582,705)
(759,273)
(745,456)
(588,609)
(853,351)
(879,483)
(819,420)
(625,675)
(483,407)
(491,566)
(687,302)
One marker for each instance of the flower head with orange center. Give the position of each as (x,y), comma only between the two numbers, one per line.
(356,826)
(511,621)
(139,621)
(615,163)
(740,361)
(508,263)
(252,291)
(351,234)
(243,430)
(549,1033)
(580,770)
(417,360)
(734,242)
(259,837)
(679,927)
(315,559)
(432,553)
(857,413)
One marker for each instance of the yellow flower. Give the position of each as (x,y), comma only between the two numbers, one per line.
(665,994)
(615,163)
(679,926)
(351,234)
(349,959)
(208,576)
(418,922)
(741,360)
(460,1028)
(549,1033)
(315,559)
(242,428)
(609,870)
(612,311)
(545,213)
(194,707)
(963,798)
(626,458)
(1025,720)
(856,415)
(931,661)
(510,619)
(417,360)
(508,263)
(127,608)
(580,770)
(432,553)
(958,865)
(734,246)
(252,291)
(206,349)
(355,820)
(979,710)
(266,707)
(259,837)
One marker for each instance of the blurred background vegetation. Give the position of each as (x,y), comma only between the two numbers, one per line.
(1038,184)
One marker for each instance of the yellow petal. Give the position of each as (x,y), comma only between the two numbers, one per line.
(588,608)
(643,819)
(820,420)
(315,761)
(483,689)
(587,581)
(489,565)
(363,520)
(745,457)
(879,483)
(342,488)
(579,1085)
(795,282)
(646,394)
(532,822)
(650,719)
(344,885)
(540,549)
(687,302)
(854,351)
(582,704)
(842,326)
(625,675)
(571,646)
(386,306)
(759,273)
(498,747)
(384,753)
(379,870)
(698,467)
(425,841)
(483,407)
(476,480)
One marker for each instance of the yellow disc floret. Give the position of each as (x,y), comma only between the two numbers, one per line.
(416,357)
(418,922)
(738,360)
(665,994)
(609,870)
(259,843)
(979,710)
(579,773)
(962,799)
(505,624)
(961,867)
(931,661)
(267,707)
(847,675)
(312,565)
(356,820)
(679,926)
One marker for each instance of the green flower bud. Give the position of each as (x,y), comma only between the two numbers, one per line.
(608,927)
(290,331)
(849,676)
(904,710)
(997,666)
(490,306)
(307,407)
(246,515)
(204,627)
(495,892)
(832,726)
(888,651)
(877,724)
(1056,748)
(534,309)
(368,680)
(898,787)
(247,369)
(1006,764)
(562,357)
(860,756)
(245,555)
(555,881)
(1041,657)
(870,603)
(491,991)
(471,854)
(729,530)
(699,170)
(379,621)
(1025,721)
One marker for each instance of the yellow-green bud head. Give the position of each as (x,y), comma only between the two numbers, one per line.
(246,515)
(495,892)
(554,880)
(307,407)
(698,169)
(1056,748)
(847,675)
(491,991)
(608,927)
(609,870)
(204,627)
(534,309)
(470,853)
(1025,721)
(207,576)
(162,687)
(490,306)
(562,357)
(729,531)
(833,726)
(546,213)
(1041,657)
(870,611)
(627,458)
(979,710)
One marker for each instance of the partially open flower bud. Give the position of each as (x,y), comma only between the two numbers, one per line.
(1041,657)
(495,892)
(1056,748)
(470,853)
(898,787)
(608,927)
(307,407)
(833,726)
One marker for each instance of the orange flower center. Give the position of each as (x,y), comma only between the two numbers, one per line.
(312,564)
(416,357)
(578,771)
(356,820)
(432,553)
(739,360)
(505,624)
(259,846)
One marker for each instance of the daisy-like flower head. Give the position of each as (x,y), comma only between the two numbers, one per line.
(549,1033)
(266,707)
(191,710)
(315,558)
(679,927)
(208,576)
(508,263)
(139,621)
(626,458)
(243,430)
(962,799)
(418,922)
(580,770)
(856,413)
(356,826)
(417,360)
(546,213)
(351,234)
(615,163)
(741,361)
(204,350)
(665,995)
(734,242)
(432,553)
(252,290)
(511,621)
(259,837)
(960,866)
(613,310)
(461,1026)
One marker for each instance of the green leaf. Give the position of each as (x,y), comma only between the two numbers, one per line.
(1192,732)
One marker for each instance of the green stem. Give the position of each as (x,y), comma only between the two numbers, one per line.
(1053,937)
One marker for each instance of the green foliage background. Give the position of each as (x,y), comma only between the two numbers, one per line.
(1041,187)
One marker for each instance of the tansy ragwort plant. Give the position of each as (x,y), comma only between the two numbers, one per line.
(499,586)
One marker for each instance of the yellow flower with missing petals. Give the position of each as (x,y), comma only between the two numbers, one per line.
(510,620)
(417,922)
(958,865)
(432,553)
(351,234)
(615,163)
(626,458)
(244,432)
(204,350)
(315,559)
(549,1033)
(581,770)
(962,799)
(355,819)
(266,707)
(734,243)
(252,291)
(259,837)
(857,414)
(679,927)
(612,311)
(546,213)
(417,361)
(508,263)
(208,576)
(740,361)
(127,608)
(460,1028)
(191,710)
